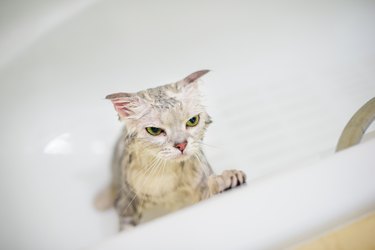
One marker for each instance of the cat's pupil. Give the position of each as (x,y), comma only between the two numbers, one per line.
(155,130)
(192,120)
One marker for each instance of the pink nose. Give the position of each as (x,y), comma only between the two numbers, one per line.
(181,146)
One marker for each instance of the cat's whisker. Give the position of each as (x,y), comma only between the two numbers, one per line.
(143,200)
(146,168)
(158,180)
(158,173)
(144,173)
(154,166)
(152,173)
(164,166)
(208,145)
(124,186)
(201,164)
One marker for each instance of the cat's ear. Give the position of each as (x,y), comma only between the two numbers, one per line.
(194,76)
(128,105)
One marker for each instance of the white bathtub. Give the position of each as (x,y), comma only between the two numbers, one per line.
(285,80)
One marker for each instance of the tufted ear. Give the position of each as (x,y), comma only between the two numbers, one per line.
(195,76)
(128,105)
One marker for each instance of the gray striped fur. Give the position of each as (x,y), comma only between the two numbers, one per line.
(148,172)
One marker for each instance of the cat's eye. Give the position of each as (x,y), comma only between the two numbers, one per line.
(154,131)
(192,122)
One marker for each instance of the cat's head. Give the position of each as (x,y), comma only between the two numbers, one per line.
(167,121)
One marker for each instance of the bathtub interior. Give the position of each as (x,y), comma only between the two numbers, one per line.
(285,79)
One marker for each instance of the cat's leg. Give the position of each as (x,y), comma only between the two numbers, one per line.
(105,199)
(228,179)
(129,211)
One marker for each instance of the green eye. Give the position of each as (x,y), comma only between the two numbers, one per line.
(154,131)
(192,122)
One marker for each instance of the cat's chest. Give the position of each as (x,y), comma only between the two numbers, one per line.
(155,181)
(155,184)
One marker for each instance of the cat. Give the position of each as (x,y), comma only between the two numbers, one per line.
(158,160)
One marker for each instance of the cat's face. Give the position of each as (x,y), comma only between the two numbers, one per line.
(168,121)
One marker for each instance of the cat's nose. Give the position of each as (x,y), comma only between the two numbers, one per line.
(181,146)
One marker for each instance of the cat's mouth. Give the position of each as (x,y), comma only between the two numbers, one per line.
(173,154)
(181,156)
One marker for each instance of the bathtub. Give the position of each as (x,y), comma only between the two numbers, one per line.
(286,78)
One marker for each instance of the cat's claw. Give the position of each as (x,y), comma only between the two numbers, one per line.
(227,180)
(233,178)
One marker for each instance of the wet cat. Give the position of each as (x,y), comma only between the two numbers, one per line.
(158,161)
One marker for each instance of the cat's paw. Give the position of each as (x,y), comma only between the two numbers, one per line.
(233,178)
(228,179)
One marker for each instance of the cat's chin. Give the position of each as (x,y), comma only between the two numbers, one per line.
(180,157)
